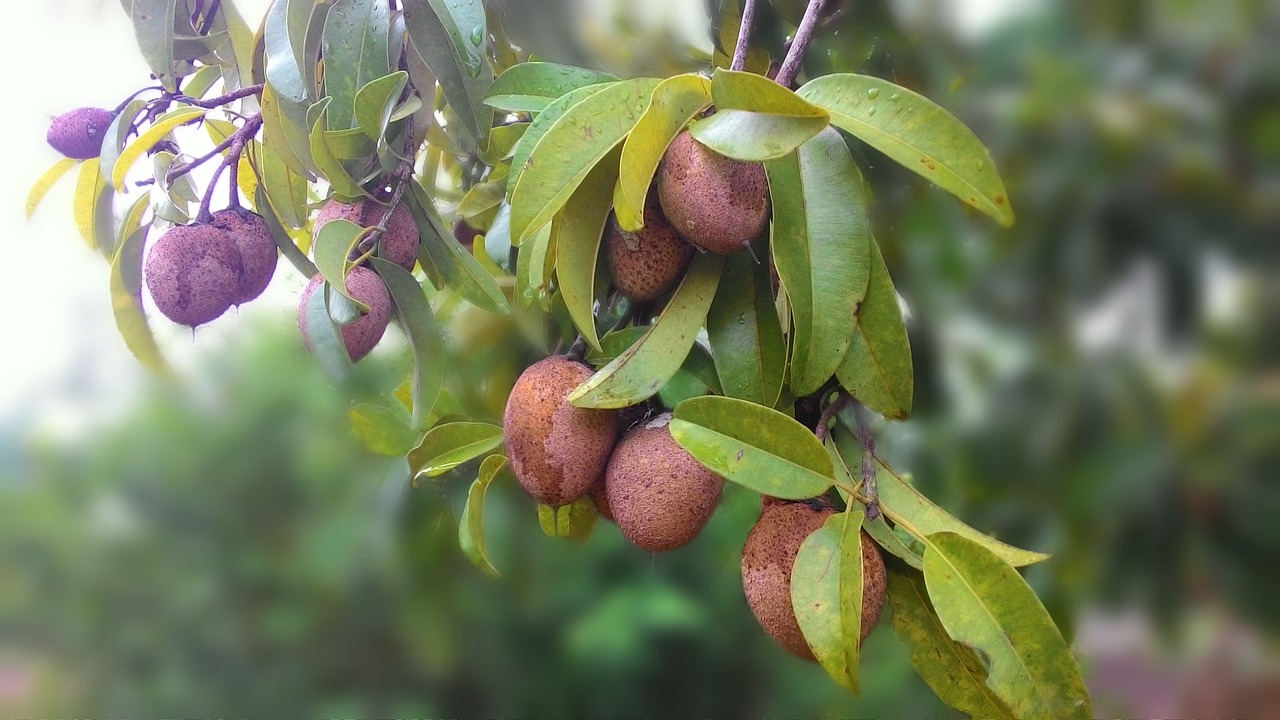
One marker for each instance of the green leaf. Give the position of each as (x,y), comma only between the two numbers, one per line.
(539,127)
(579,229)
(286,190)
(985,604)
(698,365)
(502,142)
(382,430)
(333,246)
(533,274)
(746,335)
(483,197)
(887,539)
(126,302)
(419,325)
(447,446)
(575,521)
(117,135)
(450,36)
(755,137)
(754,446)
(471,528)
(92,208)
(563,157)
(376,101)
(644,368)
(675,102)
(326,161)
(285,130)
(532,86)
(917,133)
(748,91)
(954,671)
(458,268)
(822,249)
(826,595)
(158,131)
(877,370)
(237,54)
(153,23)
(46,182)
(323,337)
(284,32)
(355,47)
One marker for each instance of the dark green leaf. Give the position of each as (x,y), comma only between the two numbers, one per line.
(284,32)
(153,24)
(419,325)
(877,370)
(450,35)
(746,335)
(355,49)
(532,86)
(457,267)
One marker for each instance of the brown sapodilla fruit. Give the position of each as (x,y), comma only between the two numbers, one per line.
(193,273)
(399,243)
(716,203)
(660,496)
(767,559)
(361,335)
(647,263)
(600,498)
(258,252)
(557,451)
(78,133)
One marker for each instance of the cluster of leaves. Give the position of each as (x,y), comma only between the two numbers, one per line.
(431,104)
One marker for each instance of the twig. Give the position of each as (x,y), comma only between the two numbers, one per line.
(401,177)
(829,412)
(800,45)
(180,170)
(868,443)
(203,215)
(124,103)
(578,349)
(237,142)
(219,101)
(744,35)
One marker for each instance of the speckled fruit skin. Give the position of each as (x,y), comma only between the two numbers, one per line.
(258,252)
(718,204)
(362,335)
(399,243)
(600,498)
(767,558)
(648,263)
(193,273)
(660,496)
(78,133)
(557,451)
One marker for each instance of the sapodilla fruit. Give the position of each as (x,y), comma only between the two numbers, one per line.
(78,133)
(557,451)
(361,335)
(767,559)
(647,263)
(716,203)
(193,273)
(258,252)
(659,495)
(399,242)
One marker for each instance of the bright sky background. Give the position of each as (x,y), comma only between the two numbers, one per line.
(63,363)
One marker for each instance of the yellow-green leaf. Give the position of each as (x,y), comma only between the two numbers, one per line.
(126,301)
(579,228)
(539,127)
(826,595)
(92,208)
(447,446)
(158,131)
(575,521)
(382,430)
(878,370)
(47,181)
(471,528)
(532,86)
(745,333)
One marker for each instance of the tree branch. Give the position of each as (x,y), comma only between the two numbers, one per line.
(744,35)
(800,45)
(219,101)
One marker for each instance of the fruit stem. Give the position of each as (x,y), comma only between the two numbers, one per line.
(238,141)
(236,144)
(800,45)
(401,177)
(744,35)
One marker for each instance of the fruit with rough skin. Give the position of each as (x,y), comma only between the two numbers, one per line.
(600,498)
(361,335)
(659,495)
(78,133)
(714,202)
(647,263)
(557,451)
(399,242)
(258,254)
(767,560)
(193,273)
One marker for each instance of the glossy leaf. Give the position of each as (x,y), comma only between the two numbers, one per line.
(698,365)
(917,133)
(675,102)
(158,131)
(575,521)
(333,247)
(745,333)
(153,23)
(984,603)
(954,671)
(646,366)
(126,303)
(539,127)
(457,267)
(447,446)
(450,36)
(355,48)
(284,32)
(418,323)
(755,137)
(822,249)
(826,595)
(382,430)
(748,91)
(285,130)
(754,446)
(92,207)
(327,163)
(375,102)
(116,138)
(46,182)
(286,190)
(878,370)
(579,229)
(571,147)
(324,339)
(532,86)
(888,540)
(471,527)
(533,271)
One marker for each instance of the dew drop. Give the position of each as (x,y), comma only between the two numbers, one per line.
(477,35)
(871,110)
(893,97)
(873,93)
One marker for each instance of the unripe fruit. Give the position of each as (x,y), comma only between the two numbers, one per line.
(361,335)
(258,252)
(660,496)
(557,451)
(647,263)
(193,273)
(399,242)
(767,559)
(716,203)
(78,133)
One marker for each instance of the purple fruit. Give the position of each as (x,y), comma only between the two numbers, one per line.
(399,243)
(194,274)
(364,333)
(78,133)
(257,249)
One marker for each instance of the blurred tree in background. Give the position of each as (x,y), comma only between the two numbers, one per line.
(1102,383)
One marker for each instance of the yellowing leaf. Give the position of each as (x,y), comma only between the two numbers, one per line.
(47,181)
(158,131)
